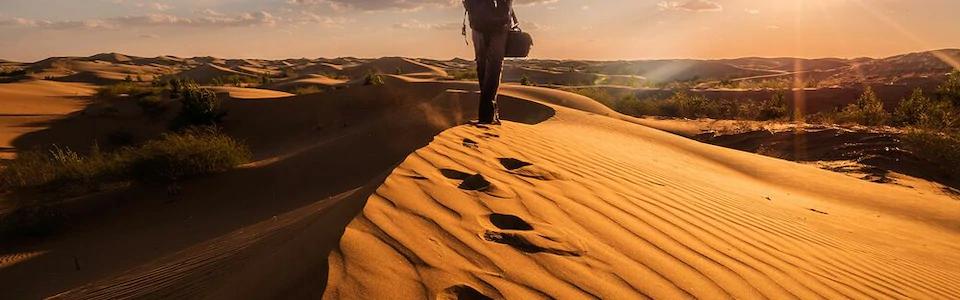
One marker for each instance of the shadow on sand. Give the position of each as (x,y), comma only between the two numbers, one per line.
(263,230)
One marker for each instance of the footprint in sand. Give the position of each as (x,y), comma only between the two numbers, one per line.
(520,235)
(461,292)
(477,183)
(470,143)
(474,182)
(509,222)
(526,169)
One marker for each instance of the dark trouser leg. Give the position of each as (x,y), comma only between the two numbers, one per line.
(490,51)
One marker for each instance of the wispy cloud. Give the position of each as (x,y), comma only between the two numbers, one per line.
(691,5)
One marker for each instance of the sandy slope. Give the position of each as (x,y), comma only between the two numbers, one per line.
(583,207)
(307,81)
(248,93)
(27,106)
(560,203)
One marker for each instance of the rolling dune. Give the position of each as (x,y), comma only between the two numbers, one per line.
(557,203)
(587,207)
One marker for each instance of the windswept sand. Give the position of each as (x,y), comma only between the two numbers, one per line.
(588,207)
(249,93)
(29,106)
(557,203)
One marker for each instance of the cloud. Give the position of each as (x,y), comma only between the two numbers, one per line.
(395,5)
(415,24)
(203,19)
(691,5)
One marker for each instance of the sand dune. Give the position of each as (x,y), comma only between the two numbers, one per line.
(585,207)
(92,70)
(249,93)
(395,65)
(208,72)
(557,203)
(306,81)
(26,107)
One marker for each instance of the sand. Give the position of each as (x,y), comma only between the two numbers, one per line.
(385,192)
(248,93)
(558,203)
(27,107)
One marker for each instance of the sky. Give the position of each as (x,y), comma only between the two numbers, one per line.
(31,30)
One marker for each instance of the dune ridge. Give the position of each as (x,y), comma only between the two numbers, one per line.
(586,207)
(555,203)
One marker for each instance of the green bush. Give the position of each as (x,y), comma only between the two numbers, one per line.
(868,110)
(775,108)
(949,90)
(191,153)
(941,148)
(200,106)
(525,80)
(911,110)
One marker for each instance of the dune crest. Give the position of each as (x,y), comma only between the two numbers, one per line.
(587,207)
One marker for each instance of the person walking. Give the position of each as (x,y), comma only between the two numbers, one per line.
(490,20)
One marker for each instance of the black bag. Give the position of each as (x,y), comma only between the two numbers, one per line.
(518,43)
(488,15)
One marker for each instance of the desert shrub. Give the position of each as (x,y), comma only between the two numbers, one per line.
(171,157)
(191,153)
(597,94)
(126,88)
(306,90)
(942,148)
(236,80)
(58,167)
(912,110)
(200,106)
(868,110)
(468,74)
(373,79)
(949,90)
(774,108)
(525,80)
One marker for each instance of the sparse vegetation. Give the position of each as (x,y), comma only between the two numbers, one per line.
(239,80)
(373,79)
(200,106)
(685,105)
(467,74)
(190,153)
(128,89)
(306,90)
(868,110)
(172,157)
(525,80)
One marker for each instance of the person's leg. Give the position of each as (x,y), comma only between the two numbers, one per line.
(479,47)
(495,48)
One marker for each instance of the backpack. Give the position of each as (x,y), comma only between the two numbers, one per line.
(489,15)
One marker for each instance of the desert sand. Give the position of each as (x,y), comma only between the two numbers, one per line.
(386,192)
(28,107)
